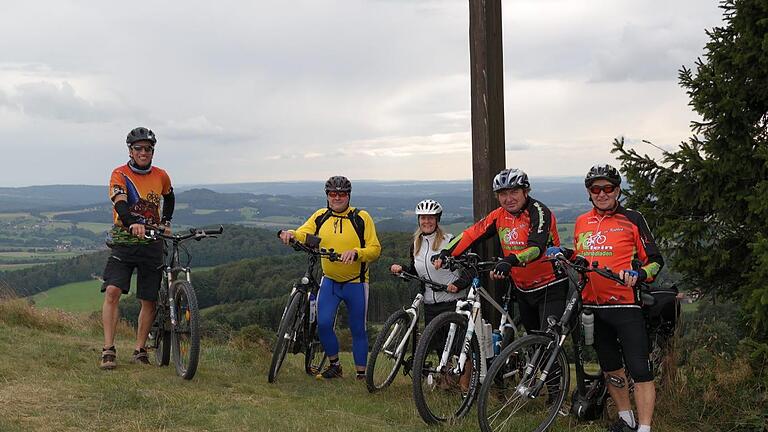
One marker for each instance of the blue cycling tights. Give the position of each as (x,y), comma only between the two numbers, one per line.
(355,297)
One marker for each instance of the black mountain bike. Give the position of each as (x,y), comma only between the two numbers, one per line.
(297,331)
(175,331)
(398,337)
(531,378)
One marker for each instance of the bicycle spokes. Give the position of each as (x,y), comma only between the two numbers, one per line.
(524,388)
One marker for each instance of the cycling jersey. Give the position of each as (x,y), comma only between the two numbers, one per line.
(339,234)
(144,193)
(614,239)
(526,235)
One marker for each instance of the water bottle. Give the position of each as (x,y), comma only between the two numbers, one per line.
(488,339)
(312,307)
(496,342)
(588,323)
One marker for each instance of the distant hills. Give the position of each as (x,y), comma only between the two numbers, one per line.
(393,197)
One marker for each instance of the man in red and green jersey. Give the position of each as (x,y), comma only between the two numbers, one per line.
(525,228)
(614,237)
(138,192)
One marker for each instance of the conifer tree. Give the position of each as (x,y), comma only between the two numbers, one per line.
(708,200)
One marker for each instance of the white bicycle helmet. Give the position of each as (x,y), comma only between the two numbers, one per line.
(429,207)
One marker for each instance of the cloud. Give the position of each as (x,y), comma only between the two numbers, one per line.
(397,147)
(305,89)
(517,146)
(60,101)
(201,129)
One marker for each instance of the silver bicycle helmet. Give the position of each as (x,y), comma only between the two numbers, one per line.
(510,179)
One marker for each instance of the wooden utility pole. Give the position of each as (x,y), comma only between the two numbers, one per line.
(487,75)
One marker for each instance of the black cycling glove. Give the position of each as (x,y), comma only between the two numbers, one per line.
(505,265)
(445,253)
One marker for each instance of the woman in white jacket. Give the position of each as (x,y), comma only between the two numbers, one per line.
(429,239)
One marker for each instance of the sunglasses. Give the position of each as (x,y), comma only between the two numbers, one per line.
(595,190)
(138,148)
(338,194)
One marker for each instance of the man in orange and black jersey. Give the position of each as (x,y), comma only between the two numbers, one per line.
(138,191)
(614,236)
(525,228)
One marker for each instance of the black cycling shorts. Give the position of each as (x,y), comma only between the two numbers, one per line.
(622,330)
(536,306)
(148,262)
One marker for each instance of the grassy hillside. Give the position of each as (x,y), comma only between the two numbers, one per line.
(75,297)
(51,382)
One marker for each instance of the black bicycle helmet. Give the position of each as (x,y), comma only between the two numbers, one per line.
(141,134)
(510,179)
(605,172)
(338,184)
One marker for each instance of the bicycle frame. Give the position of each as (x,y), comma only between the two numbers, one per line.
(172,270)
(472,309)
(306,286)
(413,312)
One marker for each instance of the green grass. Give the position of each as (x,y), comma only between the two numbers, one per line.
(75,297)
(96,227)
(203,211)
(454,228)
(13,216)
(51,382)
(689,307)
(9,267)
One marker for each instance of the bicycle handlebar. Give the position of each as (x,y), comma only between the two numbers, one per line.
(605,272)
(436,286)
(155,232)
(645,295)
(470,261)
(322,252)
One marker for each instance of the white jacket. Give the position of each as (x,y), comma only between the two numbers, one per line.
(422,265)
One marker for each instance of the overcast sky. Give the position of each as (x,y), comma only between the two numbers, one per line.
(241,91)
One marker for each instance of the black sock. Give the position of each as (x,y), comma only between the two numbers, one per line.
(335,362)
(110,348)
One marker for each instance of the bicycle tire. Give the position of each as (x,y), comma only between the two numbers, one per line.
(439,394)
(286,332)
(314,350)
(382,365)
(508,380)
(185,337)
(161,337)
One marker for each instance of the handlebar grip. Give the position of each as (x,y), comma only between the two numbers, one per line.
(213,232)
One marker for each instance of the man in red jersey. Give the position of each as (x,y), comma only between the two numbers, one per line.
(614,236)
(137,190)
(525,228)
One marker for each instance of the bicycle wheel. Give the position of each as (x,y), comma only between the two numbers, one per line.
(286,333)
(385,358)
(160,337)
(443,394)
(185,337)
(509,398)
(314,355)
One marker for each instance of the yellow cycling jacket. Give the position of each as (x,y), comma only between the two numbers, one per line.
(337,232)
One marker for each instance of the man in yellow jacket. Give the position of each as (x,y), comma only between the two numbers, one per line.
(350,232)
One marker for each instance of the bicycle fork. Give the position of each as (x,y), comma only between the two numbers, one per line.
(413,312)
(532,391)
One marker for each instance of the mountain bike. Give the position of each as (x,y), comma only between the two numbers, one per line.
(452,354)
(297,331)
(399,332)
(531,378)
(175,332)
